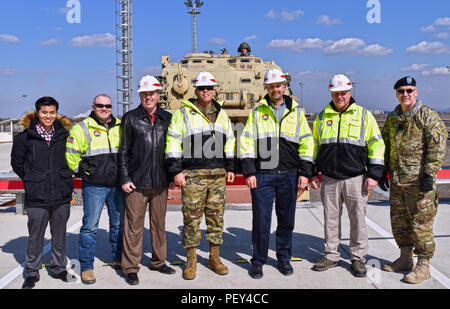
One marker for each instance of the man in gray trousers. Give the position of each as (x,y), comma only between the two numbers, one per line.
(37,157)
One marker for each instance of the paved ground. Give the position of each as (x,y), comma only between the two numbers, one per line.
(308,246)
(235,253)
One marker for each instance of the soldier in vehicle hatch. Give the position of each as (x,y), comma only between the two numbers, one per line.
(244,49)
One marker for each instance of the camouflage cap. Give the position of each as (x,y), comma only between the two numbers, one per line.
(405,81)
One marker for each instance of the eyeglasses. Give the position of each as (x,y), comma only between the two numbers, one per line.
(402,91)
(340,93)
(202,88)
(108,106)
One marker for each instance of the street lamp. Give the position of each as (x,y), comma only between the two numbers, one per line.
(194,10)
(25,96)
(301,94)
(354,90)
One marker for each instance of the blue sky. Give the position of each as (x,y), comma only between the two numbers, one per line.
(43,54)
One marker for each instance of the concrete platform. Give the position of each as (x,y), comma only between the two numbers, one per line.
(235,252)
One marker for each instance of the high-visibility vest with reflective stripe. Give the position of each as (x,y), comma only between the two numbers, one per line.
(354,127)
(89,140)
(188,121)
(262,124)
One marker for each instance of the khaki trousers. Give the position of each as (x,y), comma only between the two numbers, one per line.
(133,228)
(351,191)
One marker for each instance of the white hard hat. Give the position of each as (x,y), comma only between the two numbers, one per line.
(149,83)
(274,76)
(204,79)
(339,82)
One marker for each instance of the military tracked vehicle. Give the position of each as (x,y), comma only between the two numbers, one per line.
(239,80)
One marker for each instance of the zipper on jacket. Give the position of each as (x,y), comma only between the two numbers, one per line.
(337,142)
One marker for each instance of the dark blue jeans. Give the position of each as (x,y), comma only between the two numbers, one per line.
(94,197)
(282,187)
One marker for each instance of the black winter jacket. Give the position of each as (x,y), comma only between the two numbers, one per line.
(41,166)
(142,158)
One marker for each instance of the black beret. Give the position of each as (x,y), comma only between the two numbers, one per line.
(405,81)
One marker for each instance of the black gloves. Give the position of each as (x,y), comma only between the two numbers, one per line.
(383,183)
(426,183)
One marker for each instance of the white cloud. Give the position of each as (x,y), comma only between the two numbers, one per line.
(298,45)
(8,71)
(217,40)
(429,28)
(95,40)
(328,21)
(52,41)
(414,68)
(291,16)
(45,72)
(344,46)
(250,37)
(311,75)
(437,71)
(83,115)
(9,38)
(442,35)
(424,47)
(285,15)
(272,14)
(442,21)
(63,10)
(376,50)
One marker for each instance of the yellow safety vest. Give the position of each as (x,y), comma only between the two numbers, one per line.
(346,143)
(188,122)
(91,151)
(263,125)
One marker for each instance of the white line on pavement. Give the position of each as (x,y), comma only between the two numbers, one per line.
(19,269)
(436,274)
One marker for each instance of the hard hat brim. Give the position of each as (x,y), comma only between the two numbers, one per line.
(342,88)
(147,89)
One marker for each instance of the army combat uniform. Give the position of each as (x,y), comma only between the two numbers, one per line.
(415,147)
(201,144)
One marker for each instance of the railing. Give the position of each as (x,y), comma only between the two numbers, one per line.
(11,183)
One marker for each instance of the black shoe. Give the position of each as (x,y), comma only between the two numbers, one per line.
(285,268)
(62,275)
(164,269)
(256,271)
(29,282)
(132,279)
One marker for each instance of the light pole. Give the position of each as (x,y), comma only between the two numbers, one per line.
(194,10)
(25,96)
(354,90)
(301,94)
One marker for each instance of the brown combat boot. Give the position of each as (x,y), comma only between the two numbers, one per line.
(191,265)
(404,263)
(214,262)
(88,277)
(421,272)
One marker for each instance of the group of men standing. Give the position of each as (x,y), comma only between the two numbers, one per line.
(130,163)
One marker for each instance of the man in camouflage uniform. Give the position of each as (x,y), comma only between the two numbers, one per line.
(200,152)
(415,139)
